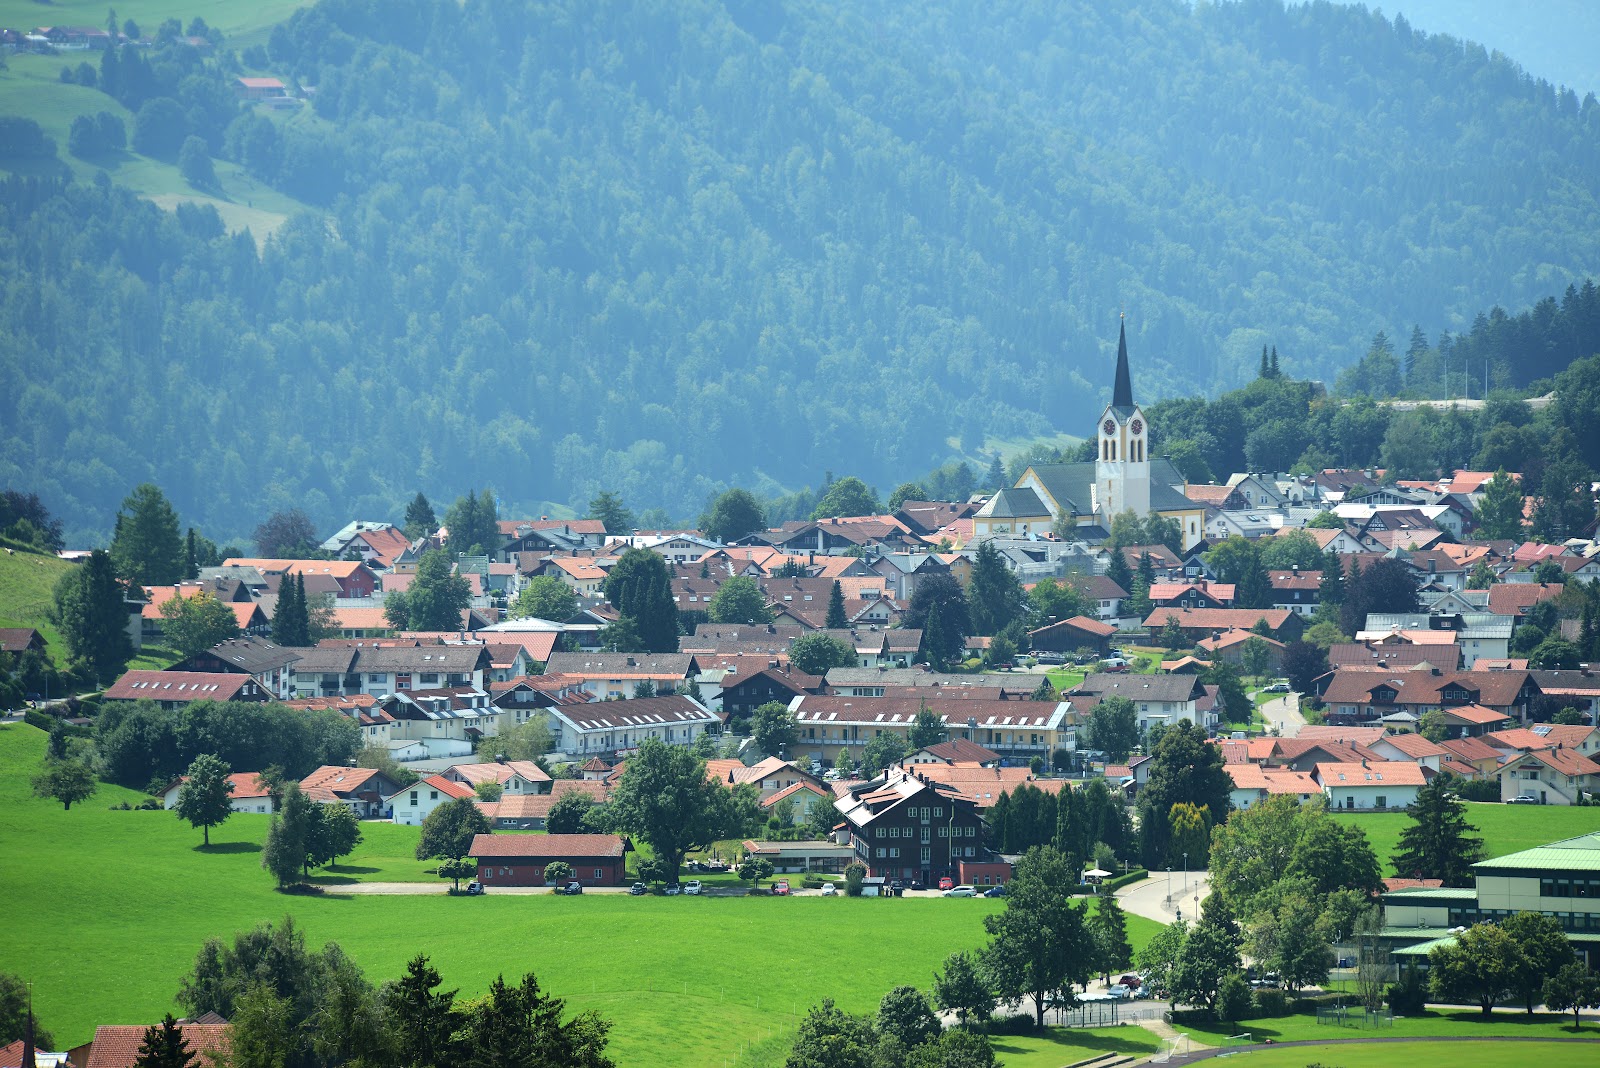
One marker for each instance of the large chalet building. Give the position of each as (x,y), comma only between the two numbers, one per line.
(903,825)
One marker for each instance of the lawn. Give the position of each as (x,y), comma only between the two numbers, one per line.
(27,587)
(1461,1023)
(1503,828)
(129,897)
(1065,1045)
(243,22)
(1391,1055)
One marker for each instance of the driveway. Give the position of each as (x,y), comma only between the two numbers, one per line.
(1152,898)
(1283,714)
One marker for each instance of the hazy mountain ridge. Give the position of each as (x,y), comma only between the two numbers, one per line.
(665,247)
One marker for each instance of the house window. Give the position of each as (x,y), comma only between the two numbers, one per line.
(413,797)
(598,874)
(1381,801)
(433,795)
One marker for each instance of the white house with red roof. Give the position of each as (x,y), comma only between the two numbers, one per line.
(412,804)
(249,794)
(1252,784)
(1557,776)
(1370,784)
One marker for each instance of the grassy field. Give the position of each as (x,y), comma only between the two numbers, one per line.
(129,897)
(1065,1045)
(1393,1055)
(31,87)
(27,583)
(1463,1023)
(1503,828)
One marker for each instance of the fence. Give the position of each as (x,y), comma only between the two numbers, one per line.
(1105,1013)
(1353,1016)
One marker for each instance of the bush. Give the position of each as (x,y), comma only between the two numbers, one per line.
(811,882)
(1020,1023)
(43,720)
(1410,995)
(1271,1002)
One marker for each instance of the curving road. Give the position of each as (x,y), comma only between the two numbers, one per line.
(1152,899)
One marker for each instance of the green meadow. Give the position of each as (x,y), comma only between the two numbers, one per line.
(106,910)
(1503,828)
(1391,1055)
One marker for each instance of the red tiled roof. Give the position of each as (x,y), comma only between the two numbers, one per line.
(541,846)
(338,778)
(1393,883)
(1373,773)
(1515,598)
(448,787)
(1476,714)
(1545,736)
(1414,746)
(118,1046)
(177,686)
(1218,618)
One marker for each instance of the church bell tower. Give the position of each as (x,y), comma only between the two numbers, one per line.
(1122,464)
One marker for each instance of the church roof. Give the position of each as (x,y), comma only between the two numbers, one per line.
(1122,391)
(1014,504)
(1072,486)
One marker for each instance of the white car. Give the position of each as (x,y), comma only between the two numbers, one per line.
(692,887)
(829,890)
(962,891)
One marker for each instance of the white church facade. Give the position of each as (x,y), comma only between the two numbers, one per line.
(1122,477)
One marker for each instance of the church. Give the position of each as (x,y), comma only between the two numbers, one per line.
(1122,476)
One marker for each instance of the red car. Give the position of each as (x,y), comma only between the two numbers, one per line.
(946,883)
(781,888)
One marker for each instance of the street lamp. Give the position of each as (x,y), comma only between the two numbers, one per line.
(1169,884)
(1185,873)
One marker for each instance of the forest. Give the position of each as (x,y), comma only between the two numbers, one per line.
(663,248)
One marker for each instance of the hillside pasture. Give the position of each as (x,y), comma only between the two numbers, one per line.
(1503,828)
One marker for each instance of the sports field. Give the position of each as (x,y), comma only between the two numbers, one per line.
(1503,828)
(1407,1054)
(106,910)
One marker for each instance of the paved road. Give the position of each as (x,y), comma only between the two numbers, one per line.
(1149,897)
(1283,713)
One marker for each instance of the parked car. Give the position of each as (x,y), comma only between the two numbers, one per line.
(916,884)
(1523,799)
(946,883)
(474,888)
(693,887)
(674,890)
(1132,982)
(995,891)
(897,887)
(829,890)
(572,887)
(638,888)
(781,888)
(1277,687)
(1118,991)
(962,891)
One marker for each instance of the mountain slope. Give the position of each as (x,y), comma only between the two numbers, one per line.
(662,247)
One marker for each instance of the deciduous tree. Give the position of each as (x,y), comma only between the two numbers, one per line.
(1113,728)
(664,798)
(194,624)
(435,600)
(732,515)
(1040,945)
(1499,513)
(774,727)
(546,597)
(67,781)
(448,830)
(1574,987)
(739,600)
(286,535)
(205,799)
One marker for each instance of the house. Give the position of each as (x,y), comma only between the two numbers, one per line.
(520,859)
(11,1054)
(1097,590)
(770,776)
(117,1046)
(1578,737)
(1483,759)
(512,776)
(1413,747)
(884,681)
(1555,776)
(1200,594)
(1159,699)
(21,640)
(802,797)
(609,676)
(957,751)
(1392,654)
(742,694)
(363,790)
(1296,590)
(621,726)
(269,664)
(1364,697)
(355,579)
(255,89)
(448,722)
(1370,784)
(1230,647)
(378,544)
(412,804)
(984,786)
(1253,783)
(902,826)
(1013,512)
(1070,635)
(1472,721)
(1197,623)
(527,812)
(1014,729)
(249,793)
(1479,634)
(171,689)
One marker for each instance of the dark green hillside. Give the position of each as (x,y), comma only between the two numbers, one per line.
(664,246)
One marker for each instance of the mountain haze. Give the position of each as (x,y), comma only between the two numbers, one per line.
(664,247)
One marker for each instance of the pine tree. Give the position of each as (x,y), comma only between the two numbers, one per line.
(191,568)
(90,609)
(1438,844)
(1265,371)
(289,624)
(1118,571)
(420,520)
(1147,570)
(836,619)
(996,478)
(1275,372)
(164,1047)
(1415,351)
(1330,591)
(146,547)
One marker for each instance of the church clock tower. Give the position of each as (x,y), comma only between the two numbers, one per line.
(1122,464)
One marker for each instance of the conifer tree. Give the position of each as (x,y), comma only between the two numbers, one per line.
(1265,370)
(1330,590)
(836,619)
(420,520)
(1118,571)
(289,628)
(1274,368)
(90,609)
(1438,844)
(146,547)
(997,475)
(164,1047)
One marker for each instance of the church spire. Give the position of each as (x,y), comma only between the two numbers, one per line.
(1122,392)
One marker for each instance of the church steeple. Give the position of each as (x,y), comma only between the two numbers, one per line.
(1122,391)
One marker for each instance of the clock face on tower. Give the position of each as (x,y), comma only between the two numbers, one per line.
(1138,427)
(1109,427)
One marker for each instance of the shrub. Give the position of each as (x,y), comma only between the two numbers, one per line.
(1020,1023)
(1410,995)
(1271,1002)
